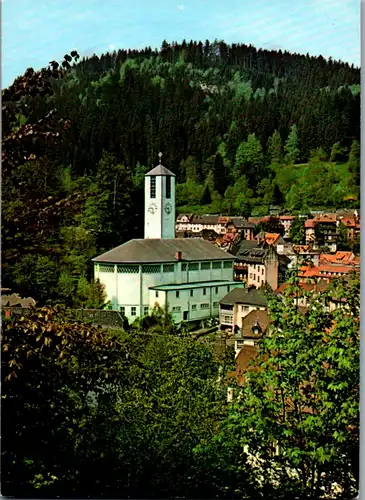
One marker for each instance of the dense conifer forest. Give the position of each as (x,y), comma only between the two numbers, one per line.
(243,129)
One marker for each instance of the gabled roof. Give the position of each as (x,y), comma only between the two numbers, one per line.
(160,170)
(270,238)
(247,354)
(259,319)
(243,296)
(180,216)
(163,250)
(338,258)
(287,217)
(309,223)
(205,219)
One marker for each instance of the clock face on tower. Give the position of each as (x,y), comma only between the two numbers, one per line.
(152,208)
(168,208)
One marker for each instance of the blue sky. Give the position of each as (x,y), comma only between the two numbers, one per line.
(38,31)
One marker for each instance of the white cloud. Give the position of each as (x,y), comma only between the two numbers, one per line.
(181,7)
(112,47)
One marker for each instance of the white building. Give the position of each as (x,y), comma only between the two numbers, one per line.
(188,276)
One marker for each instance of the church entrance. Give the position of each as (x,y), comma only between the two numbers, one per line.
(186,315)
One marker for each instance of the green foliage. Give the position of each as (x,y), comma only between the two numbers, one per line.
(342,238)
(89,398)
(337,152)
(354,161)
(206,199)
(237,199)
(249,157)
(275,148)
(297,416)
(297,232)
(292,145)
(272,225)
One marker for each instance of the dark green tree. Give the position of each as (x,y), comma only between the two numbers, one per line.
(275,148)
(292,145)
(297,231)
(206,198)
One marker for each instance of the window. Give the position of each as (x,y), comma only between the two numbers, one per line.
(204,306)
(227,264)
(145,310)
(168,187)
(176,309)
(168,268)
(133,311)
(262,270)
(177,294)
(151,268)
(228,320)
(204,291)
(216,289)
(128,269)
(191,293)
(205,266)
(228,288)
(250,275)
(184,267)
(193,307)
(156,293)
(215,304)
(122,309)
(258,278)
(153,187)
(106,268)
(194,266)
(217,265)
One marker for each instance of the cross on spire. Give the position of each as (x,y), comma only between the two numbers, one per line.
(160,156)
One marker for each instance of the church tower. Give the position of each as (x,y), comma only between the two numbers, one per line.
(159,203)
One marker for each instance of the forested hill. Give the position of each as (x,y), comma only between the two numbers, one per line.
(242,129)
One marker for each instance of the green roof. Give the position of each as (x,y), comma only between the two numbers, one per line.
(163,250)
(187,286)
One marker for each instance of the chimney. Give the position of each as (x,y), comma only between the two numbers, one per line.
(178,255)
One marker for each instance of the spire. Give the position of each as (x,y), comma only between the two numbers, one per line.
(160,169)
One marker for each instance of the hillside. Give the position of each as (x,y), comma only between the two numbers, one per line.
(241,128)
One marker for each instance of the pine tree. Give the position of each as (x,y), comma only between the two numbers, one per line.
(337,152)
(275,148)
(277,197)
(206,198)
(354,161)
(220,175)
(291,146)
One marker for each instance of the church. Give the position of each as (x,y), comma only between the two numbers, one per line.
(188,276)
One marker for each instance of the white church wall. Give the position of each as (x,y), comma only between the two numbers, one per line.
(129,288)
(107,277)
(159,299)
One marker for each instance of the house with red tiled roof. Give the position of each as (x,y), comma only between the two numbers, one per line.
(287,221)
(328,225)
(340,257)
(326,272)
